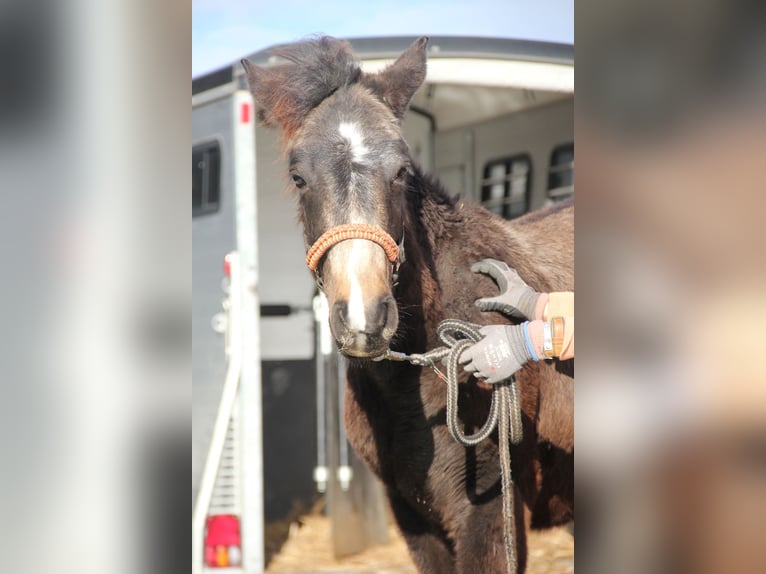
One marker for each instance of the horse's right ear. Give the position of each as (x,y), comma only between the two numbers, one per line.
(251,72)
(260,82)
(257,79)
(399,81)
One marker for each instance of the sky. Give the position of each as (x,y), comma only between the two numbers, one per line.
(223,31)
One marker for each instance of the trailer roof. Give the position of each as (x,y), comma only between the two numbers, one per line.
(374,48)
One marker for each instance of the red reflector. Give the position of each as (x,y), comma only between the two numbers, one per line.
(227,265)
(244,113)
(222,541)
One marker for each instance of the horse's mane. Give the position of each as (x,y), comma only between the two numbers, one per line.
(318,67)
(534,244)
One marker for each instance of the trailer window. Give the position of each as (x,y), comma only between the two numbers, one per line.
(561,173)
(505,187)
(206,178)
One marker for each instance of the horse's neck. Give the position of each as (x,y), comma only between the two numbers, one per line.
(445,239)
(420,284)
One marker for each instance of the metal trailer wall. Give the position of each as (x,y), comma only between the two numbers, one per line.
(287,348)
(284,277)
(462,153)
(213,235)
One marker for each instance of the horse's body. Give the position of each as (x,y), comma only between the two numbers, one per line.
(446,498)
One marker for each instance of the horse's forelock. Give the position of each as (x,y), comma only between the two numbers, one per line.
(323,53)
(317,69)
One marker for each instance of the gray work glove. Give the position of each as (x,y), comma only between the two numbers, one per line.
(498,355)
(516,299)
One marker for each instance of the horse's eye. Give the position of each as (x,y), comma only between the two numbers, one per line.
(400,174)
(299,182)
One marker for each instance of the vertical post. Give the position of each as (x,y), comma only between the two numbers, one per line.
(250,382)
(323,350)
(345,473)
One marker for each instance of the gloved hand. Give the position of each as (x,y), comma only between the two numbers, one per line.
(516,299)
(498,355)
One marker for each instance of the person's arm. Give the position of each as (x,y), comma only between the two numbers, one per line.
(556,304)
(506,348)
(558,309)
(553,337)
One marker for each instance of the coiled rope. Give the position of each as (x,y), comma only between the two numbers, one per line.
(504,411)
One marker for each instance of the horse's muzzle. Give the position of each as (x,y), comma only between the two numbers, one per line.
(367,331)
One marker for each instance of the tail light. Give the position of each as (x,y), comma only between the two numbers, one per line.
(222,541)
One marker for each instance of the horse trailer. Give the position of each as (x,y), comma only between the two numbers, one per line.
(493,122)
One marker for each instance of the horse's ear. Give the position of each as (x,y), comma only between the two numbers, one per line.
(399,81)
(260,81)
(251,73)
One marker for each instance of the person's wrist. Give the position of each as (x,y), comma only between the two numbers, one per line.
(540,304)
(525,346)
(528,303)
(535,335)
(519,342)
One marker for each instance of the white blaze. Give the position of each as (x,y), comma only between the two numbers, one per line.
(351,132)
(359,253)
(357,260)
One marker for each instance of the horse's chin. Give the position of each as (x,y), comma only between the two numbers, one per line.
(363,354)
(361,346)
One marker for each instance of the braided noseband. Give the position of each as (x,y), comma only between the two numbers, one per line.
(351,231)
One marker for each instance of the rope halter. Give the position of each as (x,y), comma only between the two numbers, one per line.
(348,231)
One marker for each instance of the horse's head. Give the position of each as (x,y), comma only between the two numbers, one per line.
(349,165)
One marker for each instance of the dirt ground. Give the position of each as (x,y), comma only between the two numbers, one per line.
(306,549)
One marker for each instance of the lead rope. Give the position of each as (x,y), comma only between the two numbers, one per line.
(504,411)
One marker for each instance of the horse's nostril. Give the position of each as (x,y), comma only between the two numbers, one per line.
(385,312)
(377,318)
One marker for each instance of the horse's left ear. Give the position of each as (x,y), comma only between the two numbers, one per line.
(399,81)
